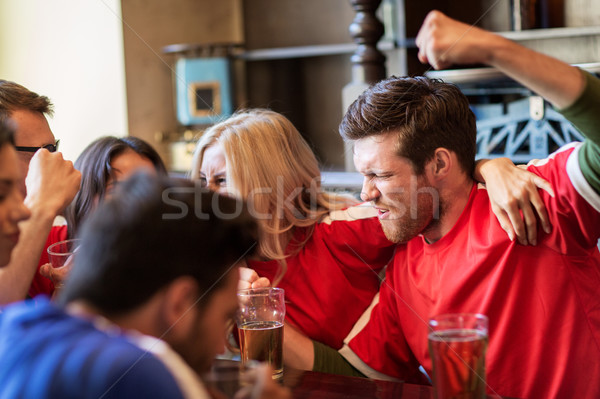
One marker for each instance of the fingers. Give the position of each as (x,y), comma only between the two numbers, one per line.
(51,181)
(262,282)
(504,221)
(58,275)
(46,270)
(543,184)
(423,42)
(540,207)
(530,223)
(248,274)
(518,225)
(250,279)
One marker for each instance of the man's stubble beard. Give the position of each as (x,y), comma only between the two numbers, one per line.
(404,228)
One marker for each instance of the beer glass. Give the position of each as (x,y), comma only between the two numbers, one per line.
(260,325)
(457,346)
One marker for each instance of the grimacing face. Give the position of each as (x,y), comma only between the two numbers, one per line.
(12,208)
(213,171)
(405,201)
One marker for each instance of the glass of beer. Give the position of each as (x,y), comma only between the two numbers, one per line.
(260,326)
(457,346)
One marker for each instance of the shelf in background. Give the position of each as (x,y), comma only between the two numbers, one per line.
(305,51)
(477,75)
(551,33)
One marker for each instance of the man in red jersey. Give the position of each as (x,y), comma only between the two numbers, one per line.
(414,141)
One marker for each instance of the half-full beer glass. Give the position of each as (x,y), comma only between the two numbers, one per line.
(260,325)
(457,346)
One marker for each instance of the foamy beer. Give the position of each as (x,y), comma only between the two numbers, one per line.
(260,326)
(457,346)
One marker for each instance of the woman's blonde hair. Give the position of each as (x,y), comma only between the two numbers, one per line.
(271,166)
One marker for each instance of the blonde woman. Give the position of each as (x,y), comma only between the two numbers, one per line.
(325,250)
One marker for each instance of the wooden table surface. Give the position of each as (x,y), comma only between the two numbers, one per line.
(310,384)
(315,385)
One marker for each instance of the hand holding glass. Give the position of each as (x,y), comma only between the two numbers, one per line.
(60,255)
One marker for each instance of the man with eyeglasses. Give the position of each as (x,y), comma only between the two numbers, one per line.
(48,183)
(33,150)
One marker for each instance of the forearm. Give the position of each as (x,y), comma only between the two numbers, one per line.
(297,349)
(302,353)
(16,277)
(556,81)
(328,360)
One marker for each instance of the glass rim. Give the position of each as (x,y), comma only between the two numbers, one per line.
(260,291)
(449,316)
(57,244)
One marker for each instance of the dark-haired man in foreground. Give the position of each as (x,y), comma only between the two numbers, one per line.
(146,305)
(414,141)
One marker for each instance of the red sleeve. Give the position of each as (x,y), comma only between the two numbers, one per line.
(377,346)
(575,210)
(40,284)
(357,239)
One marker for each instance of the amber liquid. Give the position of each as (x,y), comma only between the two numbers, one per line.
(458,358)
(263,341)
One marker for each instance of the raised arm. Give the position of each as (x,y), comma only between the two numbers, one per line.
(443,41)
(51,183)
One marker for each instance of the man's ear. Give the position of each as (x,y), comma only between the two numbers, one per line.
(441,163)
(181,295)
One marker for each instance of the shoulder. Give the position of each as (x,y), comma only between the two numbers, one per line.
(58,233)
(563,170)
(137,373)
(66,356)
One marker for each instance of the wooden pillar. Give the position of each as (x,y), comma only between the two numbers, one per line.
(368,63)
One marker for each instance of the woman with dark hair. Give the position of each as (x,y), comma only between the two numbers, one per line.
(103,164)
(12,208)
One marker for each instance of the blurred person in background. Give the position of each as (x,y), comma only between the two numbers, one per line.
(103,164)
(47,182)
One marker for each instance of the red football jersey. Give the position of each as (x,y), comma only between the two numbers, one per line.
(40,284)
(335,276)
(543,301)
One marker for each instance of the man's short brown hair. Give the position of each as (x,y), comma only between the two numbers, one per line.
(13,96)
(425,113)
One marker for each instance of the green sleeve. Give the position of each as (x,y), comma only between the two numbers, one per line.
(328,360)
(584,113)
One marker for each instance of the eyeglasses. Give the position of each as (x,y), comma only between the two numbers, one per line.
(49,147)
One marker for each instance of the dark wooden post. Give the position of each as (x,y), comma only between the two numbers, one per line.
(366,30)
